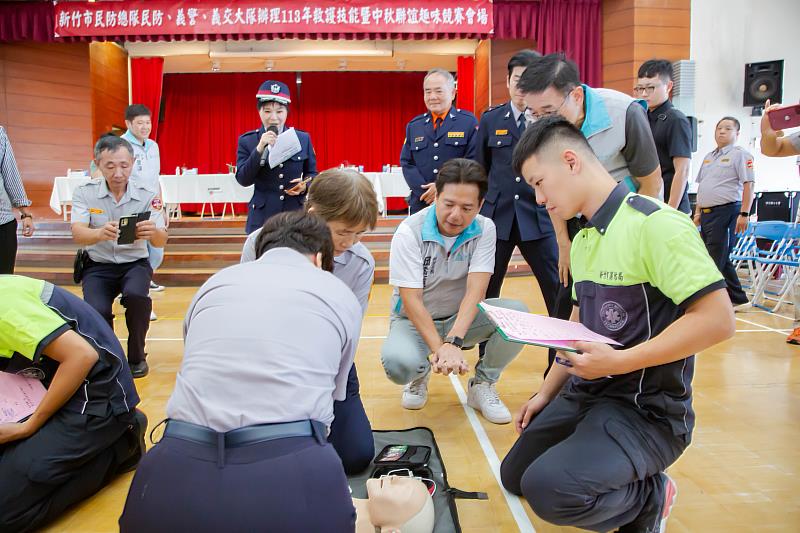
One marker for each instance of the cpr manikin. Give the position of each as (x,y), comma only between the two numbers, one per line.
(395,504)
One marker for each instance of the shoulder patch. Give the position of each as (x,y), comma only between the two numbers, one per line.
(643,205)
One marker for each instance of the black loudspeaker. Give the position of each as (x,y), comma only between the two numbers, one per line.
(763,81)
(777,205)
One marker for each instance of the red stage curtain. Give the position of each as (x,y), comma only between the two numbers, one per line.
(465,98)
(359,117)
(146,83)
(27,21)
(354,117)
(570,26)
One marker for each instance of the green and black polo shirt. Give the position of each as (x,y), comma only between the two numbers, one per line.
(636,266)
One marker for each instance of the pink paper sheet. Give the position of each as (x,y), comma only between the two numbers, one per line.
(537,329)
(19,397)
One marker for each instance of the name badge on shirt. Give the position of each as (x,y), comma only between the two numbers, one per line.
(706,161)
(501,132)
(725,160)
(419,139)
(95,211)
(455,134)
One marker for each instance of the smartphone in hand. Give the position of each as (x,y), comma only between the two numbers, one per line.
(127,227)
(785,117)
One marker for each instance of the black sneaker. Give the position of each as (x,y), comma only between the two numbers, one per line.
(140,369)
(654,518)
(135,436)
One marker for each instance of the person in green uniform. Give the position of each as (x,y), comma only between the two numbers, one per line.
(606,423)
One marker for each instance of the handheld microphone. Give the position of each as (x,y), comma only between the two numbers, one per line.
(273,129)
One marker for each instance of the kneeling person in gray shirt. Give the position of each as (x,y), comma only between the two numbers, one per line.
(440,264)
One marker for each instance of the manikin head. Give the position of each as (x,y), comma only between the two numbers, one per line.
(395,504)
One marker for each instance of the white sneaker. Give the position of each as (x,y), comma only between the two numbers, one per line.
(483,397)
(742,307)
(415,394)
(155,287)
(153,316)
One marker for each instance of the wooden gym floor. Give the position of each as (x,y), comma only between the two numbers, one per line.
(741,474)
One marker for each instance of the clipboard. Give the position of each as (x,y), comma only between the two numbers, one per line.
(581,333)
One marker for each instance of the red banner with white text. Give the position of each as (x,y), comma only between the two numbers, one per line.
(209,17)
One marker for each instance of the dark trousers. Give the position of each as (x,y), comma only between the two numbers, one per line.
(351,433)
(718,228)
(591,464)
(8,246)
(294,484)
(541,255)
(70,458)
(102,282)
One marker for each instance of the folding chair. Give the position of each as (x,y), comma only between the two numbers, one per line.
(764,263)
(746,251)
(787,258)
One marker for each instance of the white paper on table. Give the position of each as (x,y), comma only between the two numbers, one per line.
(19,397)
(286,145)
(536,329)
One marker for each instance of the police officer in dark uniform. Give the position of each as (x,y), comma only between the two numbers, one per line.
(281,188)
(511,202)
(672,132)
(441,134)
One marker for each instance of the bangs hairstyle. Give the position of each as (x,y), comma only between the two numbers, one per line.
(136,110)
(466,171)
(545,132)
(343,195)
(303,232)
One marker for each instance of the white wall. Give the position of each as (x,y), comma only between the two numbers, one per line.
(725,35)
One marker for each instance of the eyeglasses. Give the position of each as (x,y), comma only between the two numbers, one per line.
(644,89)
(538,116)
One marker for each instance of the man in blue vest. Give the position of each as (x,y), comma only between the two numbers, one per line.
(435,137)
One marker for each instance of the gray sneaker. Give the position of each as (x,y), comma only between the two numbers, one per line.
(415,394)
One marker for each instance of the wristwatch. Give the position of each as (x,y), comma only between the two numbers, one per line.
(744,214)
(458,342)
(25,215)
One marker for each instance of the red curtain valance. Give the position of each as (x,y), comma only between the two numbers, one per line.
(27,21)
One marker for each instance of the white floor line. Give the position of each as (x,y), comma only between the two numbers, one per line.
(773,314)
(766,328)
(761,330)
(170,339)
(514,503)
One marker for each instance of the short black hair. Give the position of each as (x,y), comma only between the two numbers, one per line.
(137,110)
(460,170)
(523,58)
(543,132)
(552,70)
(303,232)
(108,142)
(732,119)
(656,67)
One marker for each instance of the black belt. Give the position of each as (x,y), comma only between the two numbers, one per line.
(242,436)
(708,210)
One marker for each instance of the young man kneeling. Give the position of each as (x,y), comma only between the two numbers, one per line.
(595,440)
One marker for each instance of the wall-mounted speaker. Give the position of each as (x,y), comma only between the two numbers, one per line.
(763,81)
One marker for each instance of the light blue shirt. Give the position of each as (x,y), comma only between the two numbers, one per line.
(355,267)
(265,342)
(93,204)
(147,162)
